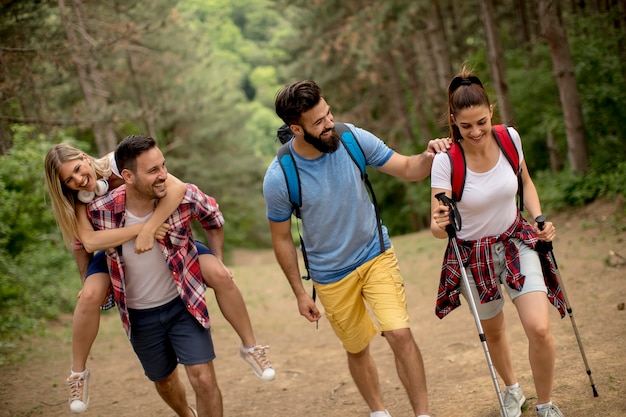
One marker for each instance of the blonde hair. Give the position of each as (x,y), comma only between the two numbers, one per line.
(63,199)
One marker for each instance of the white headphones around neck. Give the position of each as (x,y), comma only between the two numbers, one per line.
(102,186)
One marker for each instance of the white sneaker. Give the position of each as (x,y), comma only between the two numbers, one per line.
(257,359)
(79,394)
(514,400)
(380,414)
(550,411)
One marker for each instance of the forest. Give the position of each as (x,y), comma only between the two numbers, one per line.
(200,76)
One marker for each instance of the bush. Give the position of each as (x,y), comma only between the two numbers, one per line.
(567,190)
(38,278)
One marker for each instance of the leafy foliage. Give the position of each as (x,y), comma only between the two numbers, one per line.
(564,190)
(201,75)
(38,279)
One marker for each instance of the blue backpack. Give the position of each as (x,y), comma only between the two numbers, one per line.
(288,164)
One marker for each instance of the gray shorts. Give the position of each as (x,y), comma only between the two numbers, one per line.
(530,267)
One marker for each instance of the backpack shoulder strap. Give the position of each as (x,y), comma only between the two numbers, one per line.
(350,142)
(457,165)
(352,146)
(288,164)
(505,141)
(292,178)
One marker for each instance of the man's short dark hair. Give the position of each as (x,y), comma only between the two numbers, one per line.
(296,98)
(129,149)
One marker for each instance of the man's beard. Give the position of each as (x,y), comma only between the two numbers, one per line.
(147,191)
(329,145)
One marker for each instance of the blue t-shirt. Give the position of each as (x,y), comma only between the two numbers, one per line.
(338,218)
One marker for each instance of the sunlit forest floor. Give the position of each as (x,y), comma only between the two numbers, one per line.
(312,375)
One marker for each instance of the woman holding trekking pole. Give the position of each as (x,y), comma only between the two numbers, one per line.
(496,243)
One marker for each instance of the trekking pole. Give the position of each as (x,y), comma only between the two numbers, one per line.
(546,247)
(451,229)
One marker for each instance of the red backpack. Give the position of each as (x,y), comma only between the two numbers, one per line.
(457,162)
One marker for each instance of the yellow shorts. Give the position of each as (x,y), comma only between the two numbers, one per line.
(376,285)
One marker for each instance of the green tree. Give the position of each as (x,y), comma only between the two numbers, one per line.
(38,278)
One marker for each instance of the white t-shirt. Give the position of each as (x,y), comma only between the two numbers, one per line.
(488,205)
(148,280)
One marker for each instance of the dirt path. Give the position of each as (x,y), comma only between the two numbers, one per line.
(313,378)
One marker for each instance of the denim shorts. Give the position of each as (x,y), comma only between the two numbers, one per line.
(98,265)
(203,249)
(165,336)
(530,267)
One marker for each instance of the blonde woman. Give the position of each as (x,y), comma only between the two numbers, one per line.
(74,178)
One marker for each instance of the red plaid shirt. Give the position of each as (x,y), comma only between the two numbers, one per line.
(178,247)
(476,254)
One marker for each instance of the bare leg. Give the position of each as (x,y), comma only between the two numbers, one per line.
(365,376)
(208,395)
(533,311)
(172,390)
(86,319)
(410,367)
(499,349)
(228,297)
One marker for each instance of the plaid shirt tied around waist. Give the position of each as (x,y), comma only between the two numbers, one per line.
(476,254)
(178,247)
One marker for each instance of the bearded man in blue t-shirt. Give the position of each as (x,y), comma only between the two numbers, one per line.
(346,263)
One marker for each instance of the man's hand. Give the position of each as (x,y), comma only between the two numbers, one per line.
(438,145)
(308,309)
(145,239)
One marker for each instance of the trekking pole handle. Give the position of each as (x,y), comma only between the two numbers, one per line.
(541,222)
(455,219)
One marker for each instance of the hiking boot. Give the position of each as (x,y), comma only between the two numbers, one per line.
(514,400)
(258,361)
(550,411)
(79,396)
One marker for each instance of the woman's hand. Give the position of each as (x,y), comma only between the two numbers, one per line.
(441,216)
(145,239)
(548,233)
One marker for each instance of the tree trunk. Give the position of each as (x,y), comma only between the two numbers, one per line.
(496,61)
(556,163)
(89,77)
(563,69)
(437,38)
(396,97)
(620,23)
(425,59)
(5,141)
(146,113)
(523,22)
(417,93)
